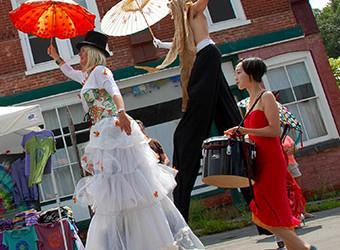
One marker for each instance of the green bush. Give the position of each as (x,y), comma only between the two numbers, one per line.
(335,66)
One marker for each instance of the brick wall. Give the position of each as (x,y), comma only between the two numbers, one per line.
(266,16)
(320,170)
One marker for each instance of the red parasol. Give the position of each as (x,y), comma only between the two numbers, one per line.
(52,18)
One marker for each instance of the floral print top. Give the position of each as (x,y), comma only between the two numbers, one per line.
(100,104)
(97,92)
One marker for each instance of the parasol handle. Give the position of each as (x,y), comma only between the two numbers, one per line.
(53,22)
(141,11)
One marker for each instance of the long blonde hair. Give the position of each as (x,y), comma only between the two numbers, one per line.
(94,57)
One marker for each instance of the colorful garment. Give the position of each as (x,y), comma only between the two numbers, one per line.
(127,188)
(6,190)
(52,215)
(270,206)
(289,143)
(5,224)
(2,247)
(51,238)
(42,134)
(21,191)
(40,149)
(100,104)
(23,239)
(31,218)
(77,244)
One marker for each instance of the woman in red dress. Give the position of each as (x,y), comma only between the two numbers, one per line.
(270,205)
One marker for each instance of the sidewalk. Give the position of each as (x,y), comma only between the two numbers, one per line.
(322,231)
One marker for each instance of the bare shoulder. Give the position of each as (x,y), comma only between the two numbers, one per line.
(268,96)
(268,99)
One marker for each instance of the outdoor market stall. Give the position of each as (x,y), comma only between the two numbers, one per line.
(15,124)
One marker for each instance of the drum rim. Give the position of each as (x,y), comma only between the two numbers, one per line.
(226,138)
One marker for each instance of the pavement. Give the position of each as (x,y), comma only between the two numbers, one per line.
(322,232)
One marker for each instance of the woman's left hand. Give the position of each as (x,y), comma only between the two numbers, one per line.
(291,151)
(124,122)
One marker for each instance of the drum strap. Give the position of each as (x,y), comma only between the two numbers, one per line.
(251,108)
(246,153)
(250,172)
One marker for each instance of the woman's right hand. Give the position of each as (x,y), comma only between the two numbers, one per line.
(124,122)
(52,52)
(235,131)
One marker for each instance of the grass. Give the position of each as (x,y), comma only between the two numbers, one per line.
(217,219)
(204,221)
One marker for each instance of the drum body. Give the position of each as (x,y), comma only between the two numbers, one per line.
(228,162)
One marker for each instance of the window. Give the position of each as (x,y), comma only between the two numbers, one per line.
(225,14)
(221,10)
(65,163)
(301,92)
(35,48)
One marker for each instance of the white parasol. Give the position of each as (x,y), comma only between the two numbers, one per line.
(131,16)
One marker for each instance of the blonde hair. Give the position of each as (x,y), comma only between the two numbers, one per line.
(94,57)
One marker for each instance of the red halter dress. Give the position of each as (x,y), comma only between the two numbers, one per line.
(271,206)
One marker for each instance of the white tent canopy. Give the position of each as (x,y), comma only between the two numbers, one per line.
(16,122)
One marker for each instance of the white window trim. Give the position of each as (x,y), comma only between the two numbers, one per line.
(66,49)
(240,19)
(229,72)
(320,97)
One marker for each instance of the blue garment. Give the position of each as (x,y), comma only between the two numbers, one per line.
(23,239)
(21,191)
(41,134)
(2,247)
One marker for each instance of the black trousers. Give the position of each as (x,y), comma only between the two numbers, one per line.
(210,99)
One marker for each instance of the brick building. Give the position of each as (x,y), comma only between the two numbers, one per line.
(282,32)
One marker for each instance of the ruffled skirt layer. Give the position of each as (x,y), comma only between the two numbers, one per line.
(129,192)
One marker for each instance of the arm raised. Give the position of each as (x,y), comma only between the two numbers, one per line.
(199,6)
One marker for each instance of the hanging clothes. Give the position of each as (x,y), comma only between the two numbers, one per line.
(40,149)
(21,191)
(24,238)
(50,235)
(41,134)
(2,247)
(6,188)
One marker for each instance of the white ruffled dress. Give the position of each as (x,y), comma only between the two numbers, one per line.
(128,189)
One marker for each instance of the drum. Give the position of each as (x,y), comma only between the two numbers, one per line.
(228,162)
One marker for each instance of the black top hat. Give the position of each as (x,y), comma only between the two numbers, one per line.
(95,39)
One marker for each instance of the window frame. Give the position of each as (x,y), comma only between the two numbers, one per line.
(64,45)
(240,19)
(320,97)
